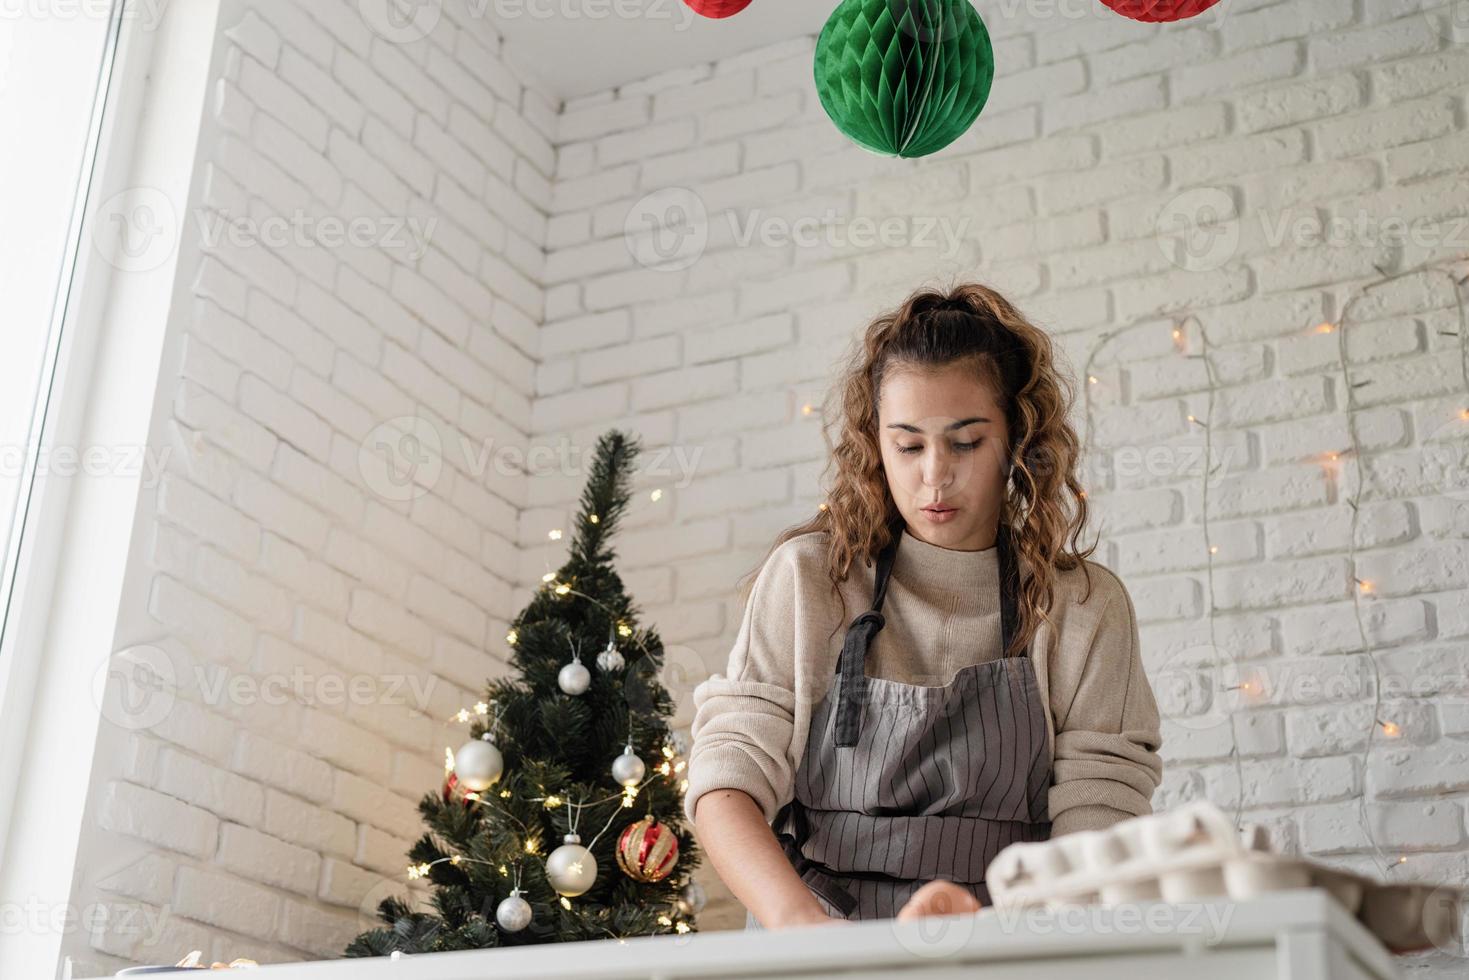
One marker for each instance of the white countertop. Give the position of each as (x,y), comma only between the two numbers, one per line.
(1291,935)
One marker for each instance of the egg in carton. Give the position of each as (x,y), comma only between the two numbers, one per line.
(1194,852)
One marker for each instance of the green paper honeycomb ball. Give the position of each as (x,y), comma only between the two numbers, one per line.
(904,77)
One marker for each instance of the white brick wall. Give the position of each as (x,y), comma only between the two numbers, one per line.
(1311,107)
(258,826)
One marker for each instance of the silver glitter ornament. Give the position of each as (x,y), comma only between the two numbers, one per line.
(574,678)
(514,913)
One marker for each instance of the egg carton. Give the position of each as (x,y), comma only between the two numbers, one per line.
(1194,852)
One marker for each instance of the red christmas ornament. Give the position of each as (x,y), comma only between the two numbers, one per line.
(452,790)
(1160,11)
(717,9)
(647,850)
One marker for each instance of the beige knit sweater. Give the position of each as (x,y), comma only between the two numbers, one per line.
(942,613)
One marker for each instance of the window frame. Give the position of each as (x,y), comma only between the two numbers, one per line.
(78,593)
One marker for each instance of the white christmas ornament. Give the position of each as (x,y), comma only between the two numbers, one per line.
(574,677)
(609,659)
(478,764)
(571,868)
(514,913)
(627,768)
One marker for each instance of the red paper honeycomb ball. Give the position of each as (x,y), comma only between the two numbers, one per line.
(717,8)
(1160,11)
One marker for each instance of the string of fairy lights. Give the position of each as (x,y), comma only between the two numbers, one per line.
(1180,345)
(1457,272)
(422,870)
(1457,275)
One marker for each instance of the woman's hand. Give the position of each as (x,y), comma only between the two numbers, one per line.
(939,898)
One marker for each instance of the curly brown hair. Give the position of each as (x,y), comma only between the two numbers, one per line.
(1045,504)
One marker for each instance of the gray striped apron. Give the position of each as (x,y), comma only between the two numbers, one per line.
(903,784)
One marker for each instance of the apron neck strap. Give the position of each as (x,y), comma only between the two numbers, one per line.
(885,559)
(1009,591)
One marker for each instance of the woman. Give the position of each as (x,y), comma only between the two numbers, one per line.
(991,689)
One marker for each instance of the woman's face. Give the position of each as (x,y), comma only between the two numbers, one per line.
(945,452)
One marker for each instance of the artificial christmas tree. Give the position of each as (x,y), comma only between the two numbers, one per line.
(551,827)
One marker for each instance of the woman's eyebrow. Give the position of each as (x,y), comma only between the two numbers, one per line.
(948,428)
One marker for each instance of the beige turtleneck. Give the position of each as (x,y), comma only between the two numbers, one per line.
(942,613)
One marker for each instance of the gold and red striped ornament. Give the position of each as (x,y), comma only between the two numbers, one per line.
(647,850)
